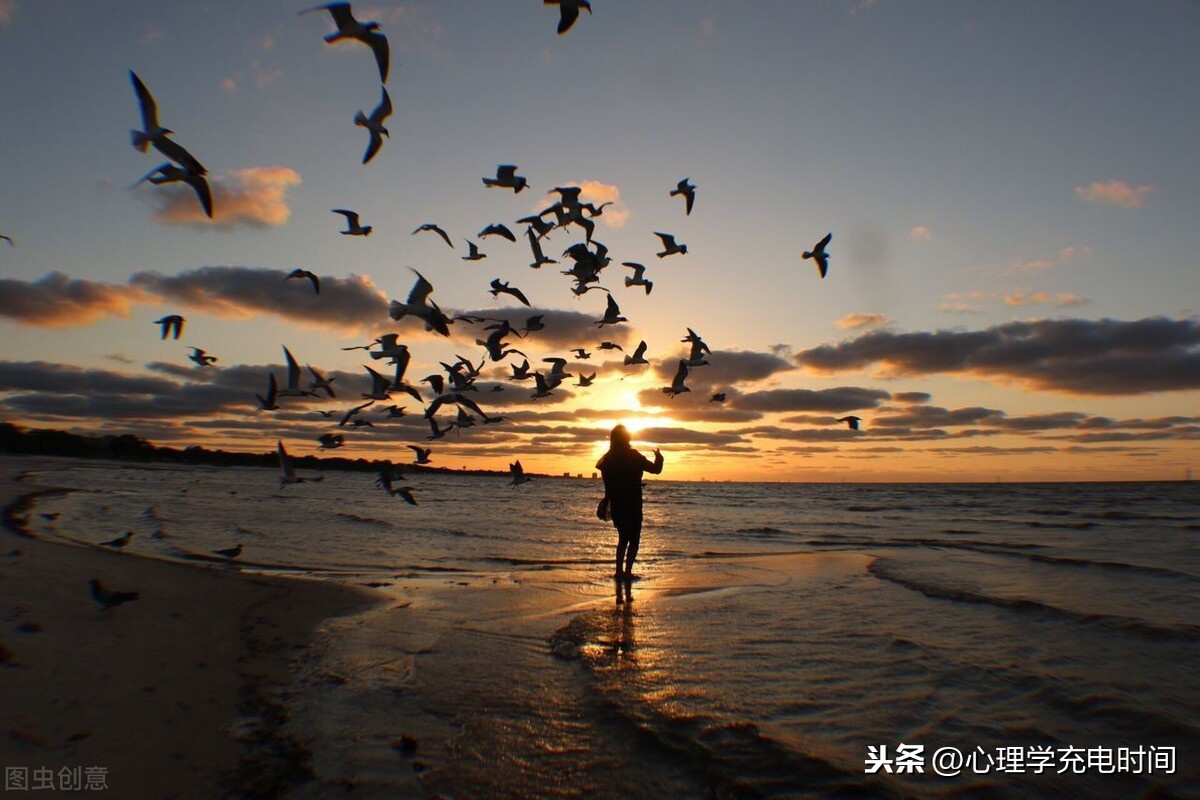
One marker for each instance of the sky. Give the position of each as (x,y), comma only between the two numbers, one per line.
(1011,188)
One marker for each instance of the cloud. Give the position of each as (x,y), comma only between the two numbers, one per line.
(1075,356)
(1033,265)
(725,367)
(58,301)
(920,233)
(911,397)
(1117,193)
(345,304)
(7,8)
(563,328)
(150,35)
(1032,298)
(254,197)
(842,398)
(597,192)
(964,302)
(862,321)
(1075,253)
(935,417)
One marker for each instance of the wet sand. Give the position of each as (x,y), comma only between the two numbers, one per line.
(174,695)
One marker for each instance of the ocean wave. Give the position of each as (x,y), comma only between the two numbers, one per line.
(349,517)
(1077,526)
(1112,622)
(734,756)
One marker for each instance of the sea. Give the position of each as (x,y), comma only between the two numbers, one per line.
(1024,640)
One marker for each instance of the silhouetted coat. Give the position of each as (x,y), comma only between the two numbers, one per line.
(622,470)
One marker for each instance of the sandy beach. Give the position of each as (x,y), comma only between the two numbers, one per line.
(169,696)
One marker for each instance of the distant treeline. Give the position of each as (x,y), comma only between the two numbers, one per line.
(127,447)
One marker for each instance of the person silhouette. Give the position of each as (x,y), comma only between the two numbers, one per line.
(622,468)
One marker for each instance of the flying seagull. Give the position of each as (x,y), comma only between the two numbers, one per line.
(169,173)
(293,380)
(568,12)
(851,421)
(473,253)
(677,386)
(353,228)
(201,358)
(639,355)
(374,125)
(507,178)
(686,190)
(639,276)
(268,403)
(418,304)
(303,273)
(539,257)
(612,314)
(422,453)
(353,411)
(109,599)
(819,255)
(498,288)
(9,239)
(518,474)
(719,397)
(287,474)
(429,226)
(171,324)
(350,28)
(670,248)
(498,229)
(331,441)
(154,134)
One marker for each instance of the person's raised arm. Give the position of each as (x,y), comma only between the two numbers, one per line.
(657,466)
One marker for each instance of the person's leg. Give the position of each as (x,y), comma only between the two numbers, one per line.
(634,531)
(622,545)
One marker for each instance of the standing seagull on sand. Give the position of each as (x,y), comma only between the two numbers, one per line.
(107,598)
(568,12)
(230,553)
(353,228)
(350,28)
(154,134)
(686,190)
(169,173)
(819,255)
(171,324)
(374,125)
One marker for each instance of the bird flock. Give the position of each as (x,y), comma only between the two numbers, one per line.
(453,390)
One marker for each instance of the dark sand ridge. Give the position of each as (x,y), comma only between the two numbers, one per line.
(172,694)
